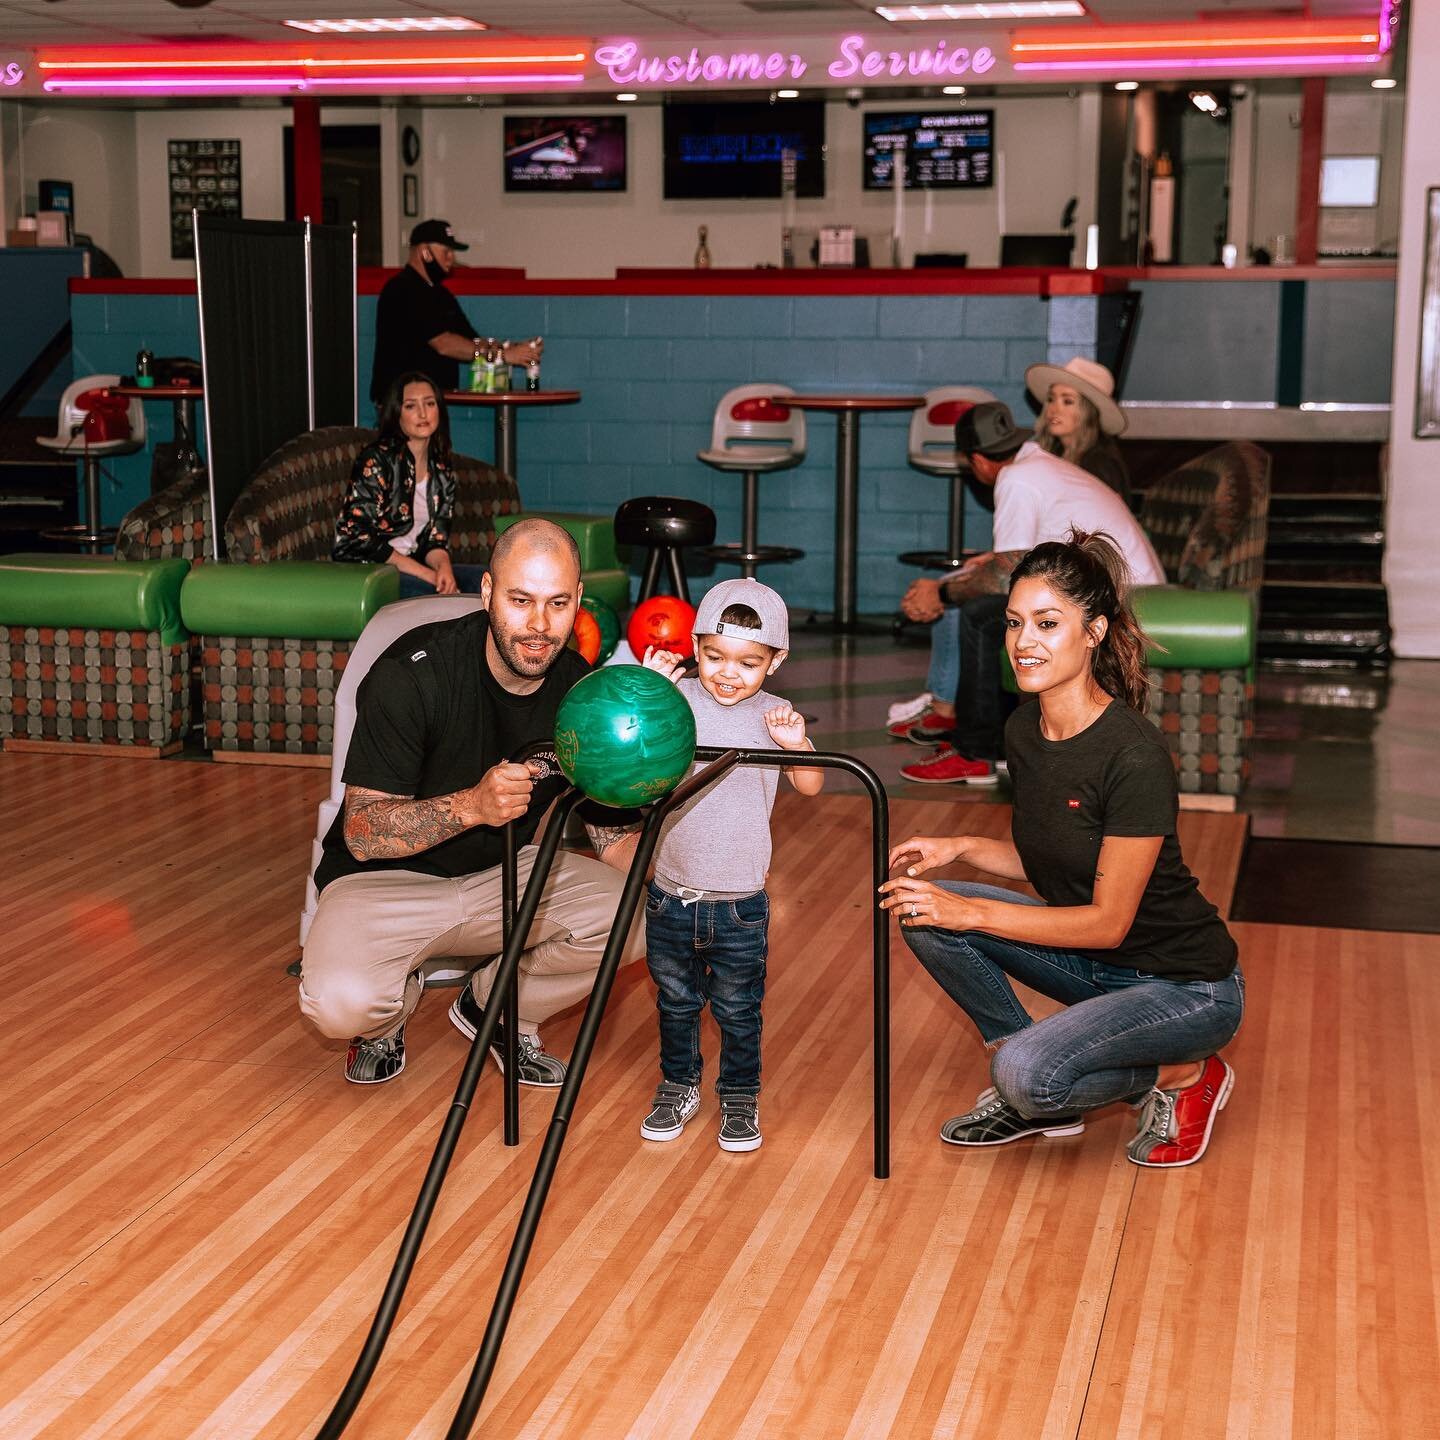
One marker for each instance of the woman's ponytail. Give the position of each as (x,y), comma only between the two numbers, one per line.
(1089,571)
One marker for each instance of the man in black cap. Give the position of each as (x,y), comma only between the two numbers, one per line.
(419,324)
(1038,497)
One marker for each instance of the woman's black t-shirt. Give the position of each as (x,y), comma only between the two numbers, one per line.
(1114,778)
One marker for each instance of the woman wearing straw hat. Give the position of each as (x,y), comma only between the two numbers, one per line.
(1079,418)
(1078,421)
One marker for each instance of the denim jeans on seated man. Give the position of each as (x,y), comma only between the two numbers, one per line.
(709,950)
(982,703)
(467,577)
(1119,1027)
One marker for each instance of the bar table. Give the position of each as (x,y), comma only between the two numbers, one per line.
(847,410)
(505,403)
(182,398)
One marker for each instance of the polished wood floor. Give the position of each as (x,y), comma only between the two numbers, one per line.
(198,1213)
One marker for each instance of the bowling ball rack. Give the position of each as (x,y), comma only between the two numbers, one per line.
(518,920)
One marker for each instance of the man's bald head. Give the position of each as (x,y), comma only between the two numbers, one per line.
(534,536)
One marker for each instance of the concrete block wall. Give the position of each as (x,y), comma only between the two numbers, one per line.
(651,370)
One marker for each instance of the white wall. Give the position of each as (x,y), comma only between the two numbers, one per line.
(1358,121)
(260,132)
(1047,146)
(94,149)
(1412,517)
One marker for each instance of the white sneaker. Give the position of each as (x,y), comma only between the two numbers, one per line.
(903,710)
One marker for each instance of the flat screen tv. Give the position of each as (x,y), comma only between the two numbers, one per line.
(730,152)
(944,149)
(564,152)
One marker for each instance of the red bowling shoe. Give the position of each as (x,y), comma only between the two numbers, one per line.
(1175,1125)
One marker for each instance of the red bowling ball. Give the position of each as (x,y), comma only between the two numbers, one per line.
(664,621)
(586,636)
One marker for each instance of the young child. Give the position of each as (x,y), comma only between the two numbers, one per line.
(707,914)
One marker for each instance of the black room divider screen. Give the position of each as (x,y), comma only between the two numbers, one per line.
(277,342)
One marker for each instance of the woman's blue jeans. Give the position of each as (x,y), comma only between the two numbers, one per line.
(944,676)
(708,951)
(1119,1026)
(467,577)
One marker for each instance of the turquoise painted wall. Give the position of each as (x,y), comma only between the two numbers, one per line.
(652,368)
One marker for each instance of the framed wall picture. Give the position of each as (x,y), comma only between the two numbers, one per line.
(203,175)
(411,196)
(1427,390)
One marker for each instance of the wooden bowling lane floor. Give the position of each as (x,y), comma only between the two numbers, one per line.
(199,1213)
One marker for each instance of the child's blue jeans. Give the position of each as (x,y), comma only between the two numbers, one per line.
(708,950)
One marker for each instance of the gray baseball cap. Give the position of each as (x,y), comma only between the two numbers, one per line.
(988,429)
(774,628)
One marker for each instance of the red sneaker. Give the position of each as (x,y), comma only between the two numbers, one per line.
(926,729)
(947,766)
(1175,1125)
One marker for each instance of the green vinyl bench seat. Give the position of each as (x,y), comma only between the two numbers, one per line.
(94,654)
(300,599)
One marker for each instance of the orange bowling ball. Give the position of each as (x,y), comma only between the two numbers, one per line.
(664,621)
(586,636)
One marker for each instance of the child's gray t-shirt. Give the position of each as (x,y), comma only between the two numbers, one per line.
(720,840)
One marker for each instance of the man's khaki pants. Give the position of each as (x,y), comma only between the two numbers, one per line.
(372,932)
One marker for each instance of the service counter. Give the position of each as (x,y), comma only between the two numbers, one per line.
(652,351)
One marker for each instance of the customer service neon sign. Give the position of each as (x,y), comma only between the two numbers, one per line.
(627,64)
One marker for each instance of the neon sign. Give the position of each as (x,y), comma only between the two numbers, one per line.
(11,74)
(626,64)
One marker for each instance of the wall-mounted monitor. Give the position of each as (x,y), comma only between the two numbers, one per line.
(731,152)
(944,149)
(564,152)
(1350,182)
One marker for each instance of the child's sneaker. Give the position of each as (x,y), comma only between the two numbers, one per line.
(739,1121)
(1175,1125)
(672,1106)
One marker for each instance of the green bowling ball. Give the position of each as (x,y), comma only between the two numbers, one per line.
(609,623)
(625,735)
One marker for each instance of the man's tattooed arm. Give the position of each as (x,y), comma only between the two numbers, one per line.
(614,844)
(990,577)
(387,827)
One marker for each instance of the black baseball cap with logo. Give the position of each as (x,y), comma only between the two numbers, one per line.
(988,429)
(435,232)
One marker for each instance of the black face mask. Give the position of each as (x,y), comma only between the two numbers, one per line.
(434,272)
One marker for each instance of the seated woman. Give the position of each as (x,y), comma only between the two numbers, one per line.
(1121,935)
(1078,421)
(401,497)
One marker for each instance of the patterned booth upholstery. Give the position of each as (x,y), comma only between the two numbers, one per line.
(1207,521)
(274,694)
(93,654)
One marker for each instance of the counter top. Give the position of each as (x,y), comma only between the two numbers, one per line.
(480,280)
(1259,423)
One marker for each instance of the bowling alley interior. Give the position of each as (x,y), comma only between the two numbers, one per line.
(449,452)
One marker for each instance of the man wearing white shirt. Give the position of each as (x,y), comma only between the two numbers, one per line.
(1038,497)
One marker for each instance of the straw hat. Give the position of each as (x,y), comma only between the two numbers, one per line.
(1090,378)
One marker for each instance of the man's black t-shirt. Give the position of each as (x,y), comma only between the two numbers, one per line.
(430,719)
(408,316)
(1114,778)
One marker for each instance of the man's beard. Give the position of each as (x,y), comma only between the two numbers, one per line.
(525,667)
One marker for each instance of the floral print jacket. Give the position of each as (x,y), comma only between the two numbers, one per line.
(379,504)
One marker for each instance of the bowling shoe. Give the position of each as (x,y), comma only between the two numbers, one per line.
(1175,1125)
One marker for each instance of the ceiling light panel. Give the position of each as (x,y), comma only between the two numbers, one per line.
(393,25)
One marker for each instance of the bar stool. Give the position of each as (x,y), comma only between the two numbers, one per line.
(664,525)
(746,415)
(932,449)
(69,439)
